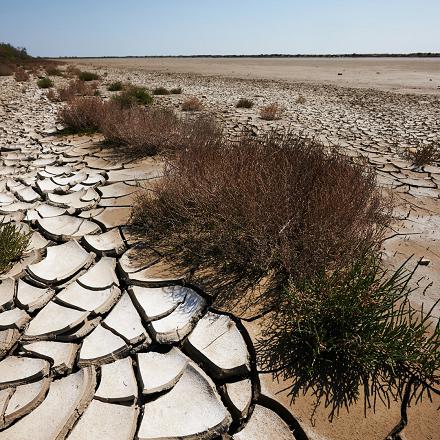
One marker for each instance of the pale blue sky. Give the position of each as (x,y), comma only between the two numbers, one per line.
(184,27)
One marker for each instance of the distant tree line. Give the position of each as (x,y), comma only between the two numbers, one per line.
(280,55)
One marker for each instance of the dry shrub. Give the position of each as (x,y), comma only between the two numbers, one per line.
(192,104)
(88,76)
(53,71)
(271,112)
(77,88)
(72,71)
(279,206)
(6,69)
(145,131)
(82,114)
(52,96)
(21,75)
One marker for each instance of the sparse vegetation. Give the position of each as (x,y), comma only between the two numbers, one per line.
(44,83)
(116,86)
(88,76)
(133,95)
(271,112)
(161,91)
(244,103)
(192,104)
(424,154)
(12,244)
(176,91)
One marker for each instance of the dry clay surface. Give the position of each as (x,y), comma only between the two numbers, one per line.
(96,343)
(139,354)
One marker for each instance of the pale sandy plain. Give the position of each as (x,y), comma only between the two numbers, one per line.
(405,75)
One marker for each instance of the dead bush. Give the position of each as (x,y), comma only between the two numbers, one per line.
(21,75)
(280,207)
(271,112)
(77,88)
(72,71)
(145,131)
(82,114)
(192,104)
(52,96)
(53,71)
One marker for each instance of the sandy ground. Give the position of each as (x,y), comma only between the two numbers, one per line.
(414,75)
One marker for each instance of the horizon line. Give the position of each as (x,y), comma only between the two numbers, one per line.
(269,55)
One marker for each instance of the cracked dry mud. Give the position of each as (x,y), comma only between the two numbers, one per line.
(93,343)
(97,344)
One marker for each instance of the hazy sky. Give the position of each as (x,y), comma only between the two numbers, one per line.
(183,27)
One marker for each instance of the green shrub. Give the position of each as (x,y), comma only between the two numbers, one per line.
(88,76)
(133,95)
(424,154)
(45,83)
(176,91)
(352,329)
(161,91)
(244,103)
(12,244)
(116,86)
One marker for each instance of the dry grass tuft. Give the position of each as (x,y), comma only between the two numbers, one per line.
(271,112)
(192,104)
